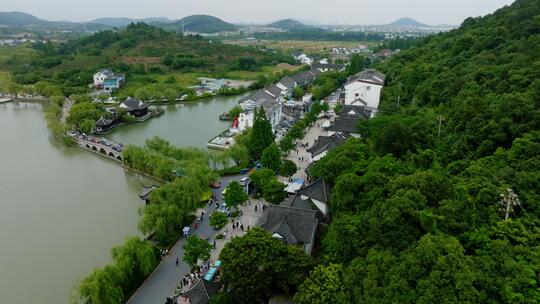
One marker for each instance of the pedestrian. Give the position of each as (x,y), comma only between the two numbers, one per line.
(255,208)
(202,214)
(214,243)
(242,227)
(249,202)
(176,261)
(196,225)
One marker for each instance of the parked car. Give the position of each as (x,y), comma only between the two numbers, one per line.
(223,208)
(215,185)
(244,181)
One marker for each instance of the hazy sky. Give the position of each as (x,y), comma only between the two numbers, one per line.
(261,11)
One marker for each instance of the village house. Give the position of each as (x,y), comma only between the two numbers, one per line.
(136,108)
(304,78)
(319,193)
(303,58)
(324,144)
(364,89)
(293,226)
(287,84)
(347,120)
(271,106)
(321,67)
(107,80)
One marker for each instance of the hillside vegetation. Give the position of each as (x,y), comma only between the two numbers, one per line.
(201,24)
(144,53)
(419,208)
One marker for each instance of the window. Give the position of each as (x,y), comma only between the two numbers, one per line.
(368,88)
(357,95)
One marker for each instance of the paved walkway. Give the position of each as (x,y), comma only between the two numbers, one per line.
(166,277)
(299,155)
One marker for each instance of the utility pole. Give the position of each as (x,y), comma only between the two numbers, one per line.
(440,118)
(508,201)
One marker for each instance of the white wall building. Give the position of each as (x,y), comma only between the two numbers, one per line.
(364,89)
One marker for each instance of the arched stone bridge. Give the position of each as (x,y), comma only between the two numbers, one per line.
(100,149)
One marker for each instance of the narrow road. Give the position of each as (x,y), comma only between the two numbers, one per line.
(68,103)
(166,277)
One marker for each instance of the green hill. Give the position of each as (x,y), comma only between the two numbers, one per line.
(407,22)
(419,206)
(143,52)
(201,24)
(27,21)
(124,21)
(288,24)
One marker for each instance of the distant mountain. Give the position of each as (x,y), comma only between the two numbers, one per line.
(408,22)
(200,24)
(123,21)
(27,21)
(288,24)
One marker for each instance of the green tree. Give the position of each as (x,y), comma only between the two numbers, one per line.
(258,264)
(261,135)
(235,112)
(218,220)
(196,249)
(235,194)
(274,191)
(102,286)
(324,285)
(298,93)
(288,168)
(271,157)
(239,154)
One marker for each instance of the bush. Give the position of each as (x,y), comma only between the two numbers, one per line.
(218,220)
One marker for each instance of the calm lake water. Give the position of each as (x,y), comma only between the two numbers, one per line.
(183,125)
(63,209)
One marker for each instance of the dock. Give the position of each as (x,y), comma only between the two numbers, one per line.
(5,100)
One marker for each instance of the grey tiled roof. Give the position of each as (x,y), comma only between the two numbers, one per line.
(273,90)
(329,66)
(202,291)
(326,143)
(304,76)
(288,82)
(350,111)
(369,75)
(297,202)
(345,125)
(134,104)
(295,225)
(145,193)
(104,122)
(318,190)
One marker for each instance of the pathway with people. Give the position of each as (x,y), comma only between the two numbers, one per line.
(167,276)
(299,154)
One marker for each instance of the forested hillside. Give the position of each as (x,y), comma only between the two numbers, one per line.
(419,207)
(140,51)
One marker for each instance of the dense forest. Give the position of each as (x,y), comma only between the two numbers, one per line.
(441,201)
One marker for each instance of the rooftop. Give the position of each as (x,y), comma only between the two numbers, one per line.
(318,190)
(294,225)
(326,143)
(369,75)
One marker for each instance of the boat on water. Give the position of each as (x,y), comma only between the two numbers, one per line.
(225,116)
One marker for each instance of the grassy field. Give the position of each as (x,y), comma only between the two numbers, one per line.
(306,46)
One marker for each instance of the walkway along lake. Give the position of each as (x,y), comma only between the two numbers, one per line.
(64,209)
